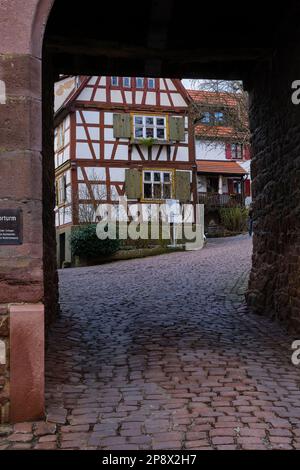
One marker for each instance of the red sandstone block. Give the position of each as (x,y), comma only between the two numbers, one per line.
(226,447)
(167,445)
(252,432)
(75,444)
(16,437)
(131,432)
(222,432)
(113,441)
(46,446)
(68,436)
(21,446)
(49,438)
(250,440)
(280,440)
(167,436)
(84,419)
(23,428)
(280,432)
(27,362)
(42,428)
(197,444)
(75,428)
(222,440)
(143,439)
(192,435)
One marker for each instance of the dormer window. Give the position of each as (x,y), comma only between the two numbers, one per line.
(151,83)
(213,118)
(115,81)
(219,118)
(140,82)
(126,82)
(205,119)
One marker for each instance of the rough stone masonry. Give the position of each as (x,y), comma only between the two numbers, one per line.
(274,287)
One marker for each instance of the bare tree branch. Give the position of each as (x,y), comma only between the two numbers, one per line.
(229,100)
(87,211)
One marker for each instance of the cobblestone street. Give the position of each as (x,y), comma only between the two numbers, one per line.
(160,353)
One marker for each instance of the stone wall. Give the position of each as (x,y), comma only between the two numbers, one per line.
(274,287)
(22,273)
(4,361)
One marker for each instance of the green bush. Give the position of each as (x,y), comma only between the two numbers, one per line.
(85,243)
(234,219)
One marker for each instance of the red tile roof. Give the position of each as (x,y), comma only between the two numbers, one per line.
(220,167)
(213,97)
(214,132)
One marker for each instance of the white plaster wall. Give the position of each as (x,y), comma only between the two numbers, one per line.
(209,151)
(182,154)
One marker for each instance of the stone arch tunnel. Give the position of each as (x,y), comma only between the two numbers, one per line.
(40,39)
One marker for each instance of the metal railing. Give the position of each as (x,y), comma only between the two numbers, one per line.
(220,200)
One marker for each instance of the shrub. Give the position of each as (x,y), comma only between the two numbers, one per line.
(234,219)
(85,243)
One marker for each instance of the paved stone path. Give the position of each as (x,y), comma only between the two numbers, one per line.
(161,353)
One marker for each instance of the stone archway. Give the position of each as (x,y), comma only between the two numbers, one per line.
(26,285)
(21,279)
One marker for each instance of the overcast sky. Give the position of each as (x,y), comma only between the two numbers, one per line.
(187,83)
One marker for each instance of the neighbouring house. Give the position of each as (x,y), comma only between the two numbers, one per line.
(119,136)
(222,155)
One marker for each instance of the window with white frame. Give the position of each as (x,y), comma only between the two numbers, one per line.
(157,185)
(126,82)
(139,82)
(151,83)
(115,81)
(61,191)
(149,127)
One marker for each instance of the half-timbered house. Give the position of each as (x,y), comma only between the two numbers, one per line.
(222,150)
(120,136)
(222,154)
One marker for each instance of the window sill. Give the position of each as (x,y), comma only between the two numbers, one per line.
(154,142)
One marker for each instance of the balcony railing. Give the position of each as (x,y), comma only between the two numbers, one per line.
(220,200)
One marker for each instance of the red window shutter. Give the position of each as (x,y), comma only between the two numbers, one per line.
(228,151)
(247,155)
(247,188)
(230,186)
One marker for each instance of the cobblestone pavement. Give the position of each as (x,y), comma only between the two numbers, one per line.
(161,353)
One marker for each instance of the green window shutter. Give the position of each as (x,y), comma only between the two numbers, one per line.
(122,126)
(177,128)
(133,184)
(183,186)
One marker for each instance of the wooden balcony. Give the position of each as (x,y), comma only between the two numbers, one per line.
(215,200)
